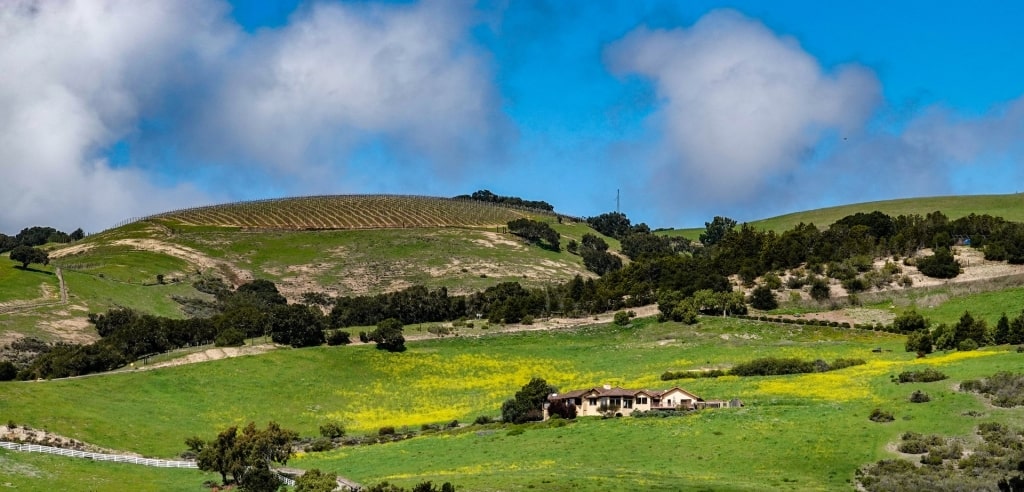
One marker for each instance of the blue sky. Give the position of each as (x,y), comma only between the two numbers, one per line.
(691,109)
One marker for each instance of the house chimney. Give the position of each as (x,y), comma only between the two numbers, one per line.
(607,386)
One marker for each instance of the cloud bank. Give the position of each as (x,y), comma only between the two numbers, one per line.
(749,123)
(740,103)
(178,82)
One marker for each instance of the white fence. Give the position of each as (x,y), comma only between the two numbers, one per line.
(117,458)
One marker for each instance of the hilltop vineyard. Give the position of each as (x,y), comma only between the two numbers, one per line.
(346,212)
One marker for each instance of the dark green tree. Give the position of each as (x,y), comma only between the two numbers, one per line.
(820,290)
(763,298)
(1001,335)
(920,342)
(528,404)
(969,328)
(297,325)
(910,321)
(716,230)
(1016,335)
(388,335)
(246,456)
(77,235)
(536,232)
(26,255)
(942,264)
(316,481)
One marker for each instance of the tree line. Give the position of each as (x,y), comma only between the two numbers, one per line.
(37,236)
(487,196)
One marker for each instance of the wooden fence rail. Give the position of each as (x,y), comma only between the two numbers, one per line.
(117,458)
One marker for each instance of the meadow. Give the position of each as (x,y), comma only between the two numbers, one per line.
(804,432)
(44,473)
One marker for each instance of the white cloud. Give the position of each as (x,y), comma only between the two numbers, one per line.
(341,75)
(78,74)
(180,82)
(740,104)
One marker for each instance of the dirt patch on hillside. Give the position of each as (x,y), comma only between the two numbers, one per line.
(73,330)
(236,276)
(493,240)
(212,354)
(975,268)
(71,250)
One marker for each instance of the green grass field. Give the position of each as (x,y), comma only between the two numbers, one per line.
(805,432)
(26,285)
(1009,207)
(45,473)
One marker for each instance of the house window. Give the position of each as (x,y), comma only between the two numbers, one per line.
(593,402)
(627,403)
(641,401)
(616,401)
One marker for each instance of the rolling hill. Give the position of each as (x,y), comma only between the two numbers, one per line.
(340,245)
(795,432)
(1009,207)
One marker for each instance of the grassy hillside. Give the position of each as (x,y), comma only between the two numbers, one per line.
(776,440)
(360,245)
(1009,207)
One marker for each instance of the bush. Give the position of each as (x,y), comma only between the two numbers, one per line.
(855,284)
(231,337)
(483,420)
(939,265)
(320,445)
(332,430)
(622,317)
(387,430)
(763,298)
(338,337)
(527,320)
(913,447)
(919,397)
(820,290)
(879,415)
(1004,388)
(8,371)
(926,376)
(967,345)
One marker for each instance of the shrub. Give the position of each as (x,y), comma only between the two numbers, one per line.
(332,430)
(8,371)
(926,376)
(913,447)
(967,345)
(772,281)
(939,265)
(320,445)
(855,284)
(527,320)
(563,409)
(387,430)
(483,420)
(763,298)
(231,337)
(338,337)
(919,397)
(1004,388)
(879,415)
(820,290)
(622,317)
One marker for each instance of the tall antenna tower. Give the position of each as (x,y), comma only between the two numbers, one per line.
(617,200)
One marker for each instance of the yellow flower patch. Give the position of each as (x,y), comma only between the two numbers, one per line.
(852,383)
(955,357)
(422,388)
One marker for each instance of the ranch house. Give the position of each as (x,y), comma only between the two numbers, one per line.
(596,401)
